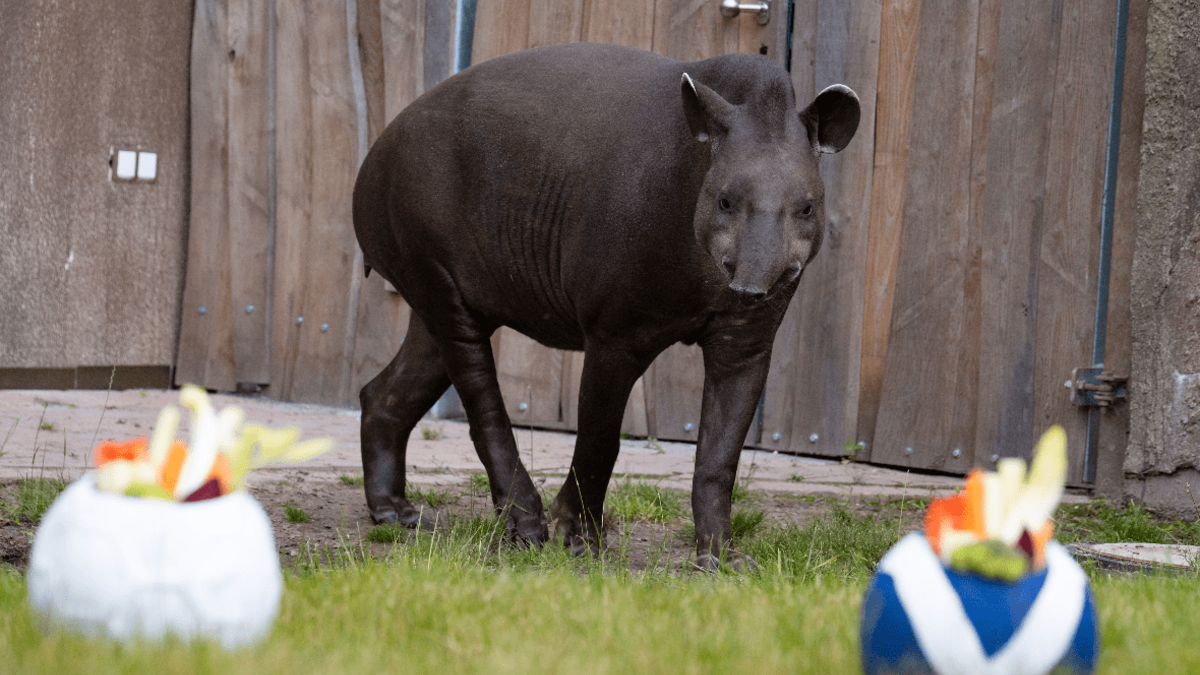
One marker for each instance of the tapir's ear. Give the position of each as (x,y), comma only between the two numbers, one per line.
(832,118)
(708,114)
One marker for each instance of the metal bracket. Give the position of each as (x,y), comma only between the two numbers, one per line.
(731,8)
(1096,387)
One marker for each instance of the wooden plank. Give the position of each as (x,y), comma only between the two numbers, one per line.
(530,377)
(1114,427)
(438,41)
(248,46)
(206,337)
(294,173)
(1013,205)
(404,53)
(553,22)
(370,55)
(621,22)
(1070,242)
(928,324)
(501,27)
(828,313)
(899,22)
(696,30)
(328,278)
(678,392)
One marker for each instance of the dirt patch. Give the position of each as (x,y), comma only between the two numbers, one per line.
(336,512)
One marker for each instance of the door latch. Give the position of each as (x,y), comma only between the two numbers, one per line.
(731,8)
(1096,387)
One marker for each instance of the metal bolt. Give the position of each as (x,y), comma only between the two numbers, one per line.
(687,427)
(812,438)
(957,452)
(908,451)
(249,309)
(776,436)
(523,406)
(204,310)
(324,328)
(299,320)
(1067,384)
(995,458)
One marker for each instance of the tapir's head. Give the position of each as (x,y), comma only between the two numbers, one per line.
(761,210)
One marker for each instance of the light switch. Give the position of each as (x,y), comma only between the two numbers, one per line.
(126,164)
(147,165)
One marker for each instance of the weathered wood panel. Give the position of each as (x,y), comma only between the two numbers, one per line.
(1070,243)
(249,189)
(922,376)
(206,332)
(1013,216)
(818,349)
(899,23)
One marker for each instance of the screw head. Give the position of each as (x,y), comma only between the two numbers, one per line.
(908,451)
(249,309)
(523,406)
(204,310)
(299,320)
(688,427)
(324,328)
(957,452)
(995,458)
(812,438)
(1067,384)
(776,436)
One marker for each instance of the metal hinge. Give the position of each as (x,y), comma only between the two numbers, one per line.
(1096,387)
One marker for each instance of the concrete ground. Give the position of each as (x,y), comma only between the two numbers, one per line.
(52,432)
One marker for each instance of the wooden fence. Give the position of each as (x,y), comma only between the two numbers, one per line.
(954,295)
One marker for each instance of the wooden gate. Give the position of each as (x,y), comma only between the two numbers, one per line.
(954,294)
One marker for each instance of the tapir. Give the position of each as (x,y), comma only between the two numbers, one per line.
(596,198)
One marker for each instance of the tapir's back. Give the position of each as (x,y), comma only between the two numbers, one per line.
(539,177)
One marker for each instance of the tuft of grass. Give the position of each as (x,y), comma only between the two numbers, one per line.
(479,483)
(841,544)
(632,501)
(347,479)
(295,514)
(796,478)
(46,426)
(430,495)
(33,497)
(388,533)
(430,433)
(747,522)
(1101,522)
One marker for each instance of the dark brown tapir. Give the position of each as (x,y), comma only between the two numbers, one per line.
(595,198)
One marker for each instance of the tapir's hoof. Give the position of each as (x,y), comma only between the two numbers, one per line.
(528,530)
(580,546)
(732,561)
(406,516)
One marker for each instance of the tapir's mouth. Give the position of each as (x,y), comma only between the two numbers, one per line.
(750,294)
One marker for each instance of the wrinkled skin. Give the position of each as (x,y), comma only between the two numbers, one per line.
(594,198)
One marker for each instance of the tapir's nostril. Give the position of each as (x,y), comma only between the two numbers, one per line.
(730,268)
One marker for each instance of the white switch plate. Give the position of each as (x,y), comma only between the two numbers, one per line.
(126,164)
(147,165)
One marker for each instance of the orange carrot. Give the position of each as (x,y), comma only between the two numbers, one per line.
(946,511)
(1040,536)
(131,450)
(972,520)
(170,470)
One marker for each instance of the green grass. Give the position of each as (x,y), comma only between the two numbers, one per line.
(295,514)
(479,483)
(347,479)
(640,501)
(33,497)
(430,495)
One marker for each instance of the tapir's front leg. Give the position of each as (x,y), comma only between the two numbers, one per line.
(608,376)
(733,382)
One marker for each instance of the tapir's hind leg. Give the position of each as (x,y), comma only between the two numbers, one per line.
(392,404)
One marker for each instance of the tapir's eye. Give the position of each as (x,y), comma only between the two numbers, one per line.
(806,210)
(723,204)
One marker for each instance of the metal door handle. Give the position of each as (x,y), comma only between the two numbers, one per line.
(731,8)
